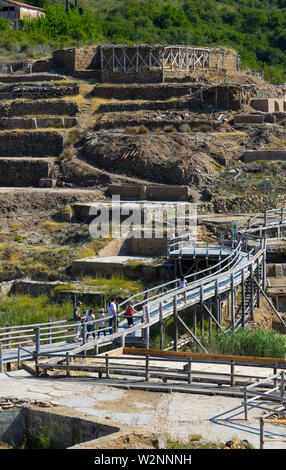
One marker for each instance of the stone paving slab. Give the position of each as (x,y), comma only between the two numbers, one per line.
(216,418)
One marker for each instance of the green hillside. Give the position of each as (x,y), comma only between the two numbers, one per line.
(255,28)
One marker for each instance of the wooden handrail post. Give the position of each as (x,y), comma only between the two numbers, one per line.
(232,381)
(147,375)
(175,311)
(245,405)
(161,327)
(107,365)
(38,349)
(274,373)
(50,331)
(282,385)
(261,420)
(67,362)
(189,370)
(19,357)
(1,358)
(8,345)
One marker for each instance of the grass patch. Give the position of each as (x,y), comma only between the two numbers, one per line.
(25,309)
(247,342)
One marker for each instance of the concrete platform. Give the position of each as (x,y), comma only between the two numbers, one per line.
(215,418)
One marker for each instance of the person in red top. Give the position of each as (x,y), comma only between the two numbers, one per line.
(129,312)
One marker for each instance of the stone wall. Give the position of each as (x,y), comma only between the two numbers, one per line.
(42,107)
(64,59)
(147,92)
(253,118)
(38,91)
(30,144)
(35,123)
(252,155)
(67,428)
(147,246)
(23,172)
(30,77)
(269,105)
(154,192)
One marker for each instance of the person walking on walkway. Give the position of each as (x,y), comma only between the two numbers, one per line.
(112,314)
(77,318)
(101,324)
(90,319)
(183,283)
(130,310)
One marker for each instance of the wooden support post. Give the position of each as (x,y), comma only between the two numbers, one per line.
(202,308)
(242,298)
(261,421)
(19,357)
(195,320)
(282,384)
(232,294)
(251,293)
(84,337)
(274,373)
(1,358)
(67,363)
(245,405)
(232,380)
(38,348)
(107,366)
(257,286)
(161,327)
(50,331)
(210,318)
(8,346)
(147,375)
(175,311)
(96,349)
(217,302)
(189,370)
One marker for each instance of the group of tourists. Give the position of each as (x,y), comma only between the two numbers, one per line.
(109,318)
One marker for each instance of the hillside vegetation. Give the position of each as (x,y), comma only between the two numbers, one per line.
(255,28)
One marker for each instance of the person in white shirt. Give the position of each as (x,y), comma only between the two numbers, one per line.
(112,313)
(183,283)
(90,318)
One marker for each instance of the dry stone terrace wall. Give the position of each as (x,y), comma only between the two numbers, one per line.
(31,144)
(147,92)
(38,91)
(154,192)
(30,77)
(23,172)
(39,107)
(35,123)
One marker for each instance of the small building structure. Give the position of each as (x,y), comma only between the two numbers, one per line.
(14,11)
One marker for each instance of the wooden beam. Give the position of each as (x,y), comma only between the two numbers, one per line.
(267,361)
